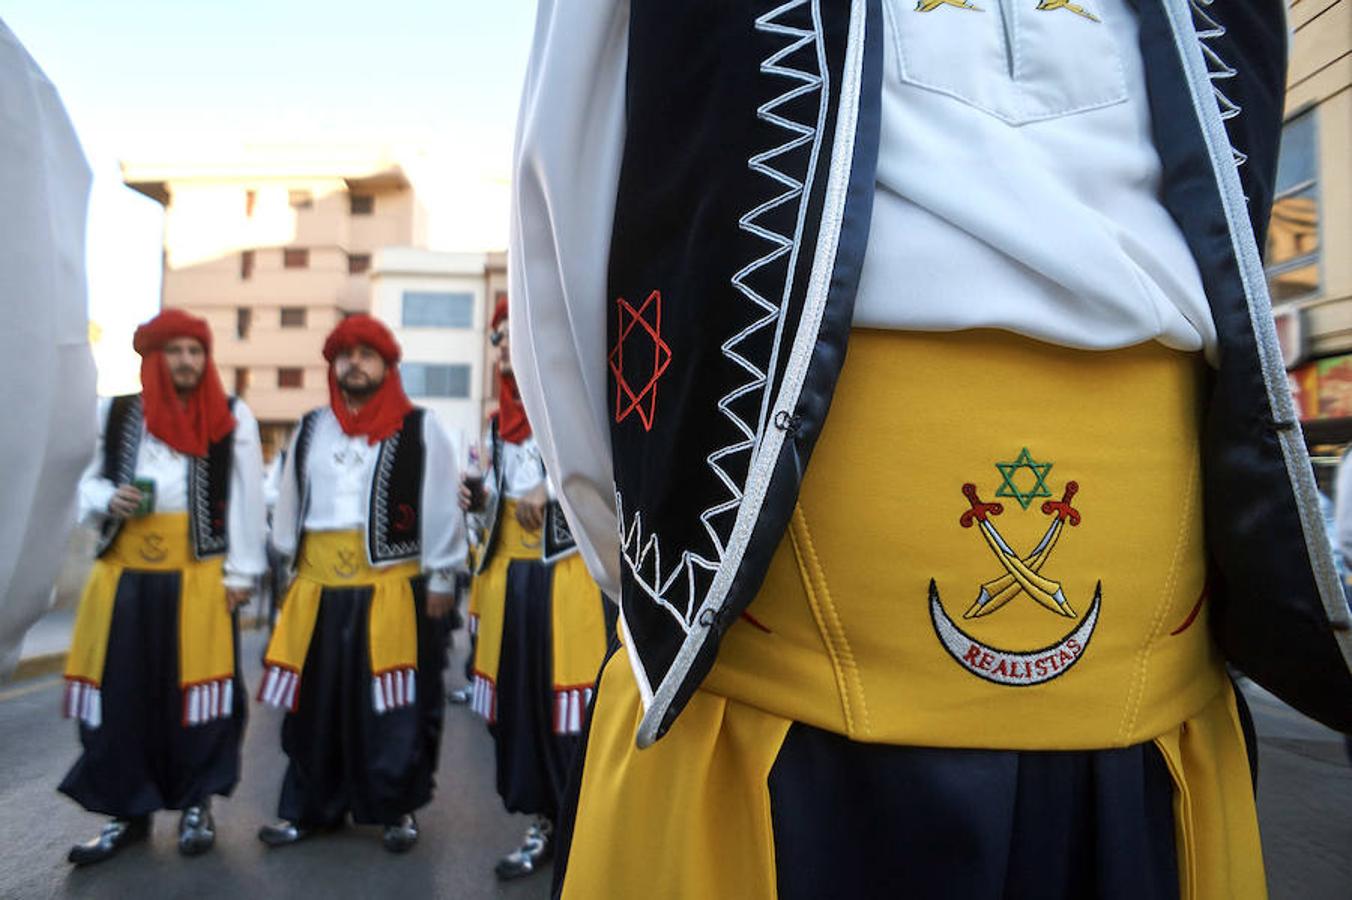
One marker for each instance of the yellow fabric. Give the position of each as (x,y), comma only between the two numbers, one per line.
(701,795)
(688,817)
(841,635)
(488,591)
(157,543)
(578,625)
(1220,856)
(338,559)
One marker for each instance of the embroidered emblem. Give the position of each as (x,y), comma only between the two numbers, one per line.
(932,5)
(1048,5)
(647,319)
(346,566)
(153,549)
(404,517)
(1010,471)
(1021,575)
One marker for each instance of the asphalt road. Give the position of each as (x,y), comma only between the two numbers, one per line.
(1305,807)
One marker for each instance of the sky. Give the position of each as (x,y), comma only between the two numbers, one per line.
(437,81)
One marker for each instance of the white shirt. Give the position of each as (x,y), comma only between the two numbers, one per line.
(522,469)
(46,370)
(340,468)
(1014,190)
(246,521)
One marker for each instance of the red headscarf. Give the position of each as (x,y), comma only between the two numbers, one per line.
(512,422)
(205,418)
(383,414)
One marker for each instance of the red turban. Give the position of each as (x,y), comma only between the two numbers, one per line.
(189,427)
(512,422)
(383,413)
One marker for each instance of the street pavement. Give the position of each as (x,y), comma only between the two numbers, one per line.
(1305,807)
(464,830)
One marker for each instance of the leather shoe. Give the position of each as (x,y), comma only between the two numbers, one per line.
(118,833)
(459,696)
(536,850)
(196,830)
(280,834)
(401,838)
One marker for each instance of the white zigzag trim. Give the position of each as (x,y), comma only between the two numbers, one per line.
(1218,69)
(635,549)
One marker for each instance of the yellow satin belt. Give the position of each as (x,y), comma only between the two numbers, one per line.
(901,608)
(998,543)
(337,559)
(206,638)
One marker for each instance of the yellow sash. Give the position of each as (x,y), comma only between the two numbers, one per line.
(998,544)
(487,597)
(206,638)
(337,559)
(578,632)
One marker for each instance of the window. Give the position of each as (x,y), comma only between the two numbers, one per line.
(241,382)
(246,265)
(243,322)
(290,378)
(433,380)
(1292,258)
(358,263)
(250,201)
(293,317)
(438,309)
(301,199)
(296,258)
(362,204)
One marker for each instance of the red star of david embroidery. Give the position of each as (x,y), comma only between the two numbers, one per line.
(646,320)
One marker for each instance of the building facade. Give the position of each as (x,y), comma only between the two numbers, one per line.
(273,249)
(1308,264)
(437,305)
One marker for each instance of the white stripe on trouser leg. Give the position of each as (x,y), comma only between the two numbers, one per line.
(228,698)
(272,689)
(574,712)
(377,695)
(292,687)
(95,707)
(411,685)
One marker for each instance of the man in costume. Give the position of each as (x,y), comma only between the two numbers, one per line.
(375,539)
(153,672)
(540,621)
(965,634)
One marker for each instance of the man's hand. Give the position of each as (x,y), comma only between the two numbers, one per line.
(124,502)
(237,597)
(530,509)
(439,604)
(471,496)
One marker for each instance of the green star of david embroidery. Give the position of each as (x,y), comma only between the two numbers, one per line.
(1008,470)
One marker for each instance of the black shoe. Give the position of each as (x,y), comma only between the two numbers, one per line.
(117,834)
(534,852)
(280,834)
(460,696)
(401,838)
(196,830)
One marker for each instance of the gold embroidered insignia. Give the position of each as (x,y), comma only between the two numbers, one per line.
(1048,5)
(932,5)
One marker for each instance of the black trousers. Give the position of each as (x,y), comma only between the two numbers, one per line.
(345,758)
(142,758)
(533,762)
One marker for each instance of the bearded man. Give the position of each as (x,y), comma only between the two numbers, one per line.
(153,673)
(367,514)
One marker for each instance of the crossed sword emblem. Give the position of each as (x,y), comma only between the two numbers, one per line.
(1022,574)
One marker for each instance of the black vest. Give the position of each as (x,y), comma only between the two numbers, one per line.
(394,511)
(557,540)
(740,226)
(208,478)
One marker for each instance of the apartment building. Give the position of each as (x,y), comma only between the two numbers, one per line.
(1308,263)
(273,248)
